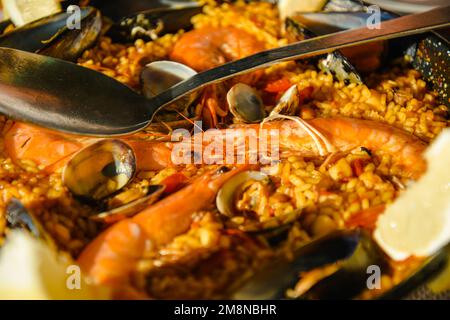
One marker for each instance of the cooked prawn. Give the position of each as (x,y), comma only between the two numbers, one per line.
(209,47)
(23,141)
(343,134)
(111,258)
(51,150)
(48,149)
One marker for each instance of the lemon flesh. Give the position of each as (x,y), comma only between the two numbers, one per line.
(288,8)
(22,12)
(418,222)
(31,270)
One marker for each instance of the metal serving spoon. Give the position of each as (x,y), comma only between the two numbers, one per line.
(64,96)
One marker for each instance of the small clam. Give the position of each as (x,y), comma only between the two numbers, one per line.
(101,169)
(232,190)
(159,76)
(245,103)
(289,103)
(127,210)
(229,191)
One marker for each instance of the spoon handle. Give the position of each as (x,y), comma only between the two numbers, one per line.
(400,27)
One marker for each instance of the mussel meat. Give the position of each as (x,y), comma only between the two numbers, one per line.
(100,170)
(245,104)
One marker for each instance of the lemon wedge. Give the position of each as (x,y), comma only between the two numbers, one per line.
(3,14)
(287,8)
(24,11)
(30,269)
(418,222)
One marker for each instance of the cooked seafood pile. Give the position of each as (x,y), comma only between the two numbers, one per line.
(342,137)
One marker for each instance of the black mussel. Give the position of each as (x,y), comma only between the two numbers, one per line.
(19,217)
(351,277)
(100,170)
(117,9)
(280,274)
(431,56)
(51,36)
(321,23)
(365,58)
(3,25)
(334,63)
(351,255)
(151,24)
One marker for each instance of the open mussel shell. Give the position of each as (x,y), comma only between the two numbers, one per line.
(19,217)
(280,274)
(150,24)
(50,35)
(334,63)
(245,104)
(154,193)
(364,58)
(3,25)
(321,23)
(430,55)
(351,277)
(350,280)
(100,170)
(117,9)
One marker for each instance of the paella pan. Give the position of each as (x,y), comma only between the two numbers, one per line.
(336,166)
